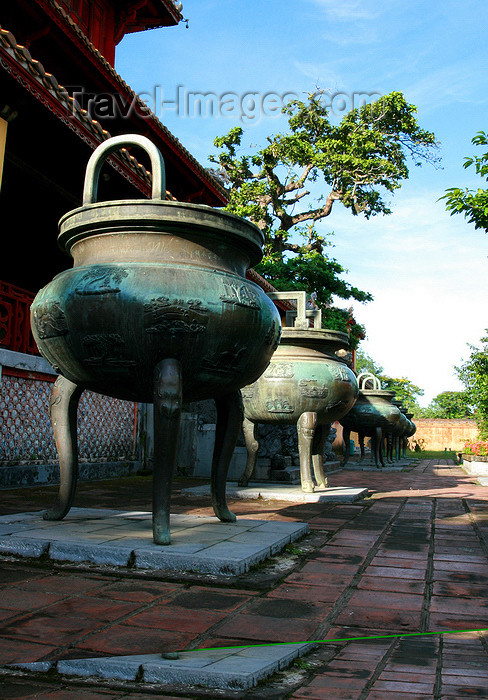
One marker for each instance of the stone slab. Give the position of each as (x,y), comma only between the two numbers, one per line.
(124,538)
(285,492)
(475,468)
(231,667)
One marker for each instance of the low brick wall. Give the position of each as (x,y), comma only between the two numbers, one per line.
(438,434)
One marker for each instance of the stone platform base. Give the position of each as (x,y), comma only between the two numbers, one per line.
(475,467)
(124,539)
(284,492)
(232,667)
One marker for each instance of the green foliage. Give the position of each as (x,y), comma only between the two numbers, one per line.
(365,363)
(448,405)
(477,447)
(472,203)
(356,162)
(405,390)
(357,159)
(474,375)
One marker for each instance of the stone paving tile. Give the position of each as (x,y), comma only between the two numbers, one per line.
(137,591)
(268,629)
(382,618)
(172,617)
(321,594)
(319,579)
(23,600)
(396,572)
(55,583)
(439,622)
(473,607)
(127,639)
(43,626)
(377,583)
(395,601)
(393,695)
(11,650)
(400,686)
(56,694)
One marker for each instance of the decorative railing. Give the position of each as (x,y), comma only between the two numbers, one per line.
(15,330)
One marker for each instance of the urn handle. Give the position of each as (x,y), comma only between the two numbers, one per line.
(300,317)
(364,377)
(99,155)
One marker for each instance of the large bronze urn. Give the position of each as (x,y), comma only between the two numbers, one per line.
(156,309)
(306,384)
(373,415)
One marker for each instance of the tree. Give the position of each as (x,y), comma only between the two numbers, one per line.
(474,375)
(472,203)
(357,161)
(365,363)
(449,404)
(405,390)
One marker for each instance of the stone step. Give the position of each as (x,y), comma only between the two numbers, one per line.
(291,475)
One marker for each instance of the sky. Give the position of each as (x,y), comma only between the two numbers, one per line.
(427,271)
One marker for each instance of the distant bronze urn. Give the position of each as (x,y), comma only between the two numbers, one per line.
(373,415)
(306,384)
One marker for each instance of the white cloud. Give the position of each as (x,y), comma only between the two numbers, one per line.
(347,10)
(459,82)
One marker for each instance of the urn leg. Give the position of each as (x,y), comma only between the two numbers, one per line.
(252,447)
(361,445)
(389,448)
(167,411)
(306,426)
(318,446)
(346,437)
(229,421)
(377,441)
(398,452)
(383,450)
(63,408)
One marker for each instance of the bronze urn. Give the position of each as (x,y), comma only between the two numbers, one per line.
(156,308)
(374,416)
(306,384)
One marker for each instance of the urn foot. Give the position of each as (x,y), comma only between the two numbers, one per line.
(63,409)
(229,421)
(168,399)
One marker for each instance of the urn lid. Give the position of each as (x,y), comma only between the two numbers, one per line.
(156,215)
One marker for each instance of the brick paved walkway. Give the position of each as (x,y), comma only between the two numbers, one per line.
(411,558)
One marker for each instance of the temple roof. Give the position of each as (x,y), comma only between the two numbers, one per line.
(209,190)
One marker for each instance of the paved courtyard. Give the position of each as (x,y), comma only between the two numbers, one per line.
(407,567)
